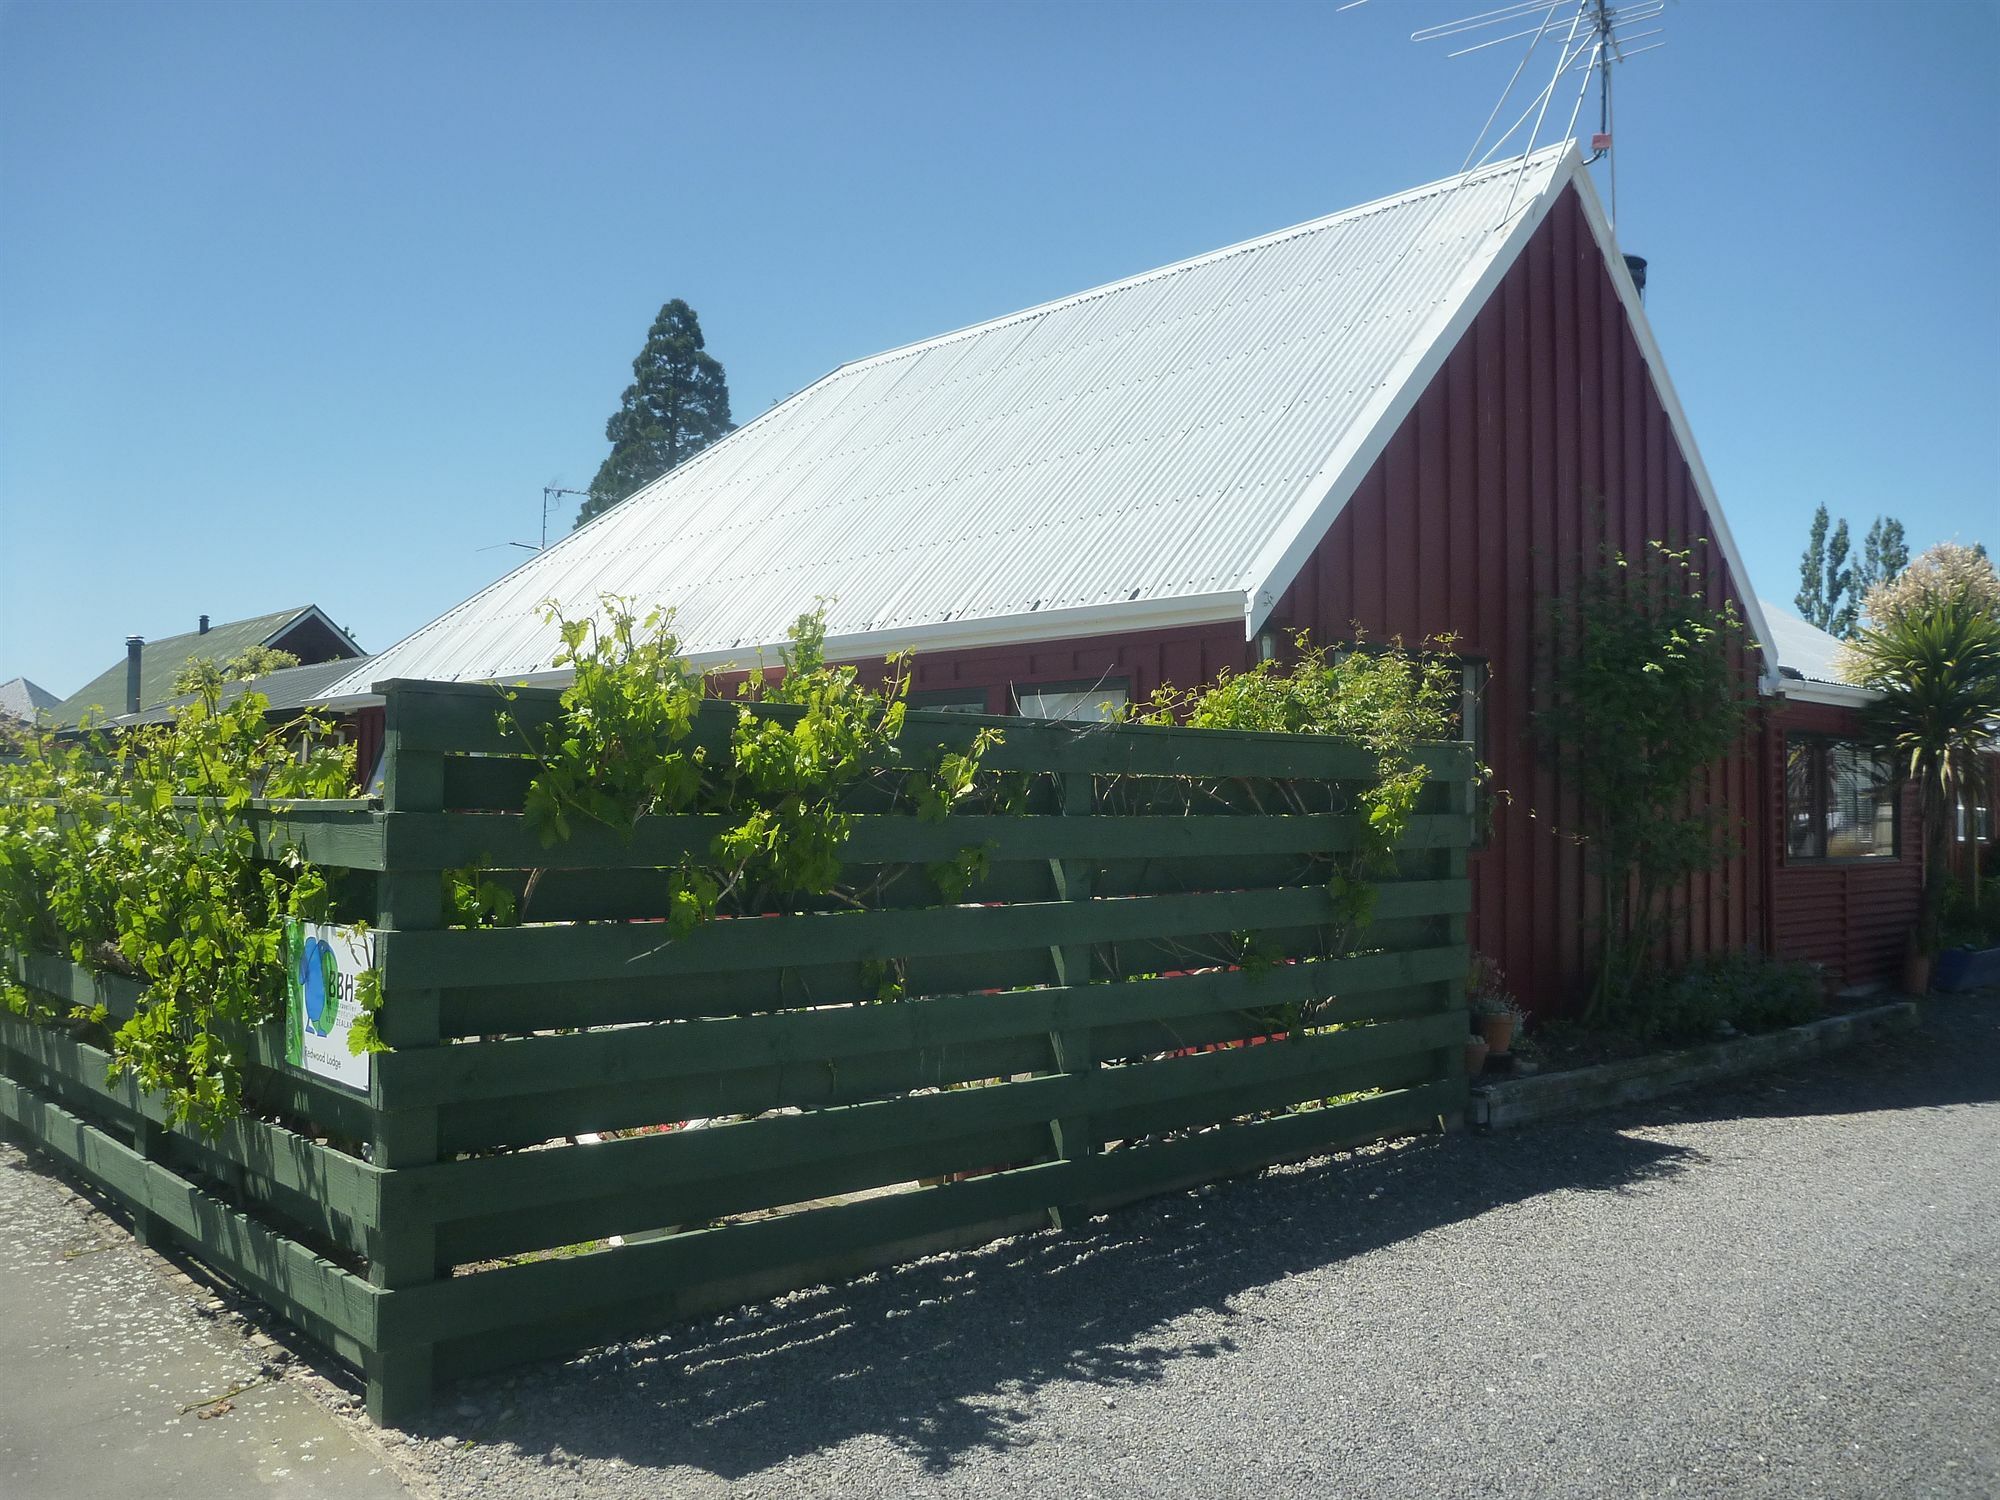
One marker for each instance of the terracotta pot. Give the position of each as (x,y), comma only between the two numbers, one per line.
(1916,971)
(1499,1033)
(1475,1055)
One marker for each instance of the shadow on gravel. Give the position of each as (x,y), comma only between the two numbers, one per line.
(937,1357)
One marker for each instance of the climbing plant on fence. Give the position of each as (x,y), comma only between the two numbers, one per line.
(135,855)
(1117,960)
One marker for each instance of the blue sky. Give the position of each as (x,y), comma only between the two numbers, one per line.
(304,302)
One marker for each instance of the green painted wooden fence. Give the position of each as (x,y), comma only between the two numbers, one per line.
(1074,1033)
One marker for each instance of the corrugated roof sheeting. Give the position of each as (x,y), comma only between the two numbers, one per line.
(1142,442)
(1804,649)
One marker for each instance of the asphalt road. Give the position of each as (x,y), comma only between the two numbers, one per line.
(1790,1288)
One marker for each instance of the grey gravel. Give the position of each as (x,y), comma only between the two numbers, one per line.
(1782,1288)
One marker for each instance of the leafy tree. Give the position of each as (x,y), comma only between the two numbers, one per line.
(1644,692)
(200,674)
(1932,656)
(1884,554)
(677,404)
(1810,600)
(1827,596)
(1842,599)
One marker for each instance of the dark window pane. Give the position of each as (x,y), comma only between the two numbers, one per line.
(1861,811)
(1803,837)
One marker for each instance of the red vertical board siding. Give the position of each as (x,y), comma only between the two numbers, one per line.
(1565,446)
(1855,918)
(1539,442)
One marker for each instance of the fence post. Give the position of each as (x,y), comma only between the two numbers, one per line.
(147,1227)
(1073,1048)
(403,1252)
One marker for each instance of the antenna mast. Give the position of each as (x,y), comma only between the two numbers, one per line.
(549,493)
(1591,37)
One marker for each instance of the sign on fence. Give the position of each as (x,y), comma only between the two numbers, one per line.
(321,963)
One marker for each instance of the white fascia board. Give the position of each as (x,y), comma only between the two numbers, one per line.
(1224,608)
(1278,564)
(1118,618)
(1834,694)
(1670,401)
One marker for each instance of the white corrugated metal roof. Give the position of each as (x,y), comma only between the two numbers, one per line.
(1804,650)
(1162,450)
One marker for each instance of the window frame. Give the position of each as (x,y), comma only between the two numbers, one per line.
(1121,686)
(967,700)
(1821,747)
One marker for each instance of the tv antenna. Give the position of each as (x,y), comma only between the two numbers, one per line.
(1590,37)
(550,492)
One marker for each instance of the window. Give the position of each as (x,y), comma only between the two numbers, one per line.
(1981,819)
(1079,702)
(951,701)
(1840,802)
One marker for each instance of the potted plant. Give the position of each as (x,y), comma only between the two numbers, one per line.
(1498,1018)
(1495,1016)
(1475,1055)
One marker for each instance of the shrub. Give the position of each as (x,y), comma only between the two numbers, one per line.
(1744,990)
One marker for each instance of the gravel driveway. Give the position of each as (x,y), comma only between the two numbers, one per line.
(1790,1288)
(1786,1289)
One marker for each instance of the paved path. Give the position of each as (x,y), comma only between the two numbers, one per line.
(1789,1289)
(103,1360)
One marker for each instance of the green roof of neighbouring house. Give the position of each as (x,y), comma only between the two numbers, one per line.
(24,700)
(306,631)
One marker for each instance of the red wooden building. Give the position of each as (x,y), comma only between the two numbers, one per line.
(1425,416)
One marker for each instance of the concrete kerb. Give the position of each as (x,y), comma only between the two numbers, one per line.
(1505,1104)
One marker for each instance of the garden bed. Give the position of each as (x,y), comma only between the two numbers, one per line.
(1504,1104)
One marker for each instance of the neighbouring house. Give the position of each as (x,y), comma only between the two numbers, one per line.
(24,702)
(1425,416)
(145,675)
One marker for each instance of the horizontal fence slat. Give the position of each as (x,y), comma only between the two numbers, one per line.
(453,959)
(269,1080)
(506,841)
(513,1067)
(345,833)
(282,1271)
(344,1187)
(541,1179)
(466,1306)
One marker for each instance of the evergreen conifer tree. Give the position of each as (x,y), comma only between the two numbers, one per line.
(677,404)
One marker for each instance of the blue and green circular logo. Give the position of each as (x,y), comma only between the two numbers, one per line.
(319,985)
